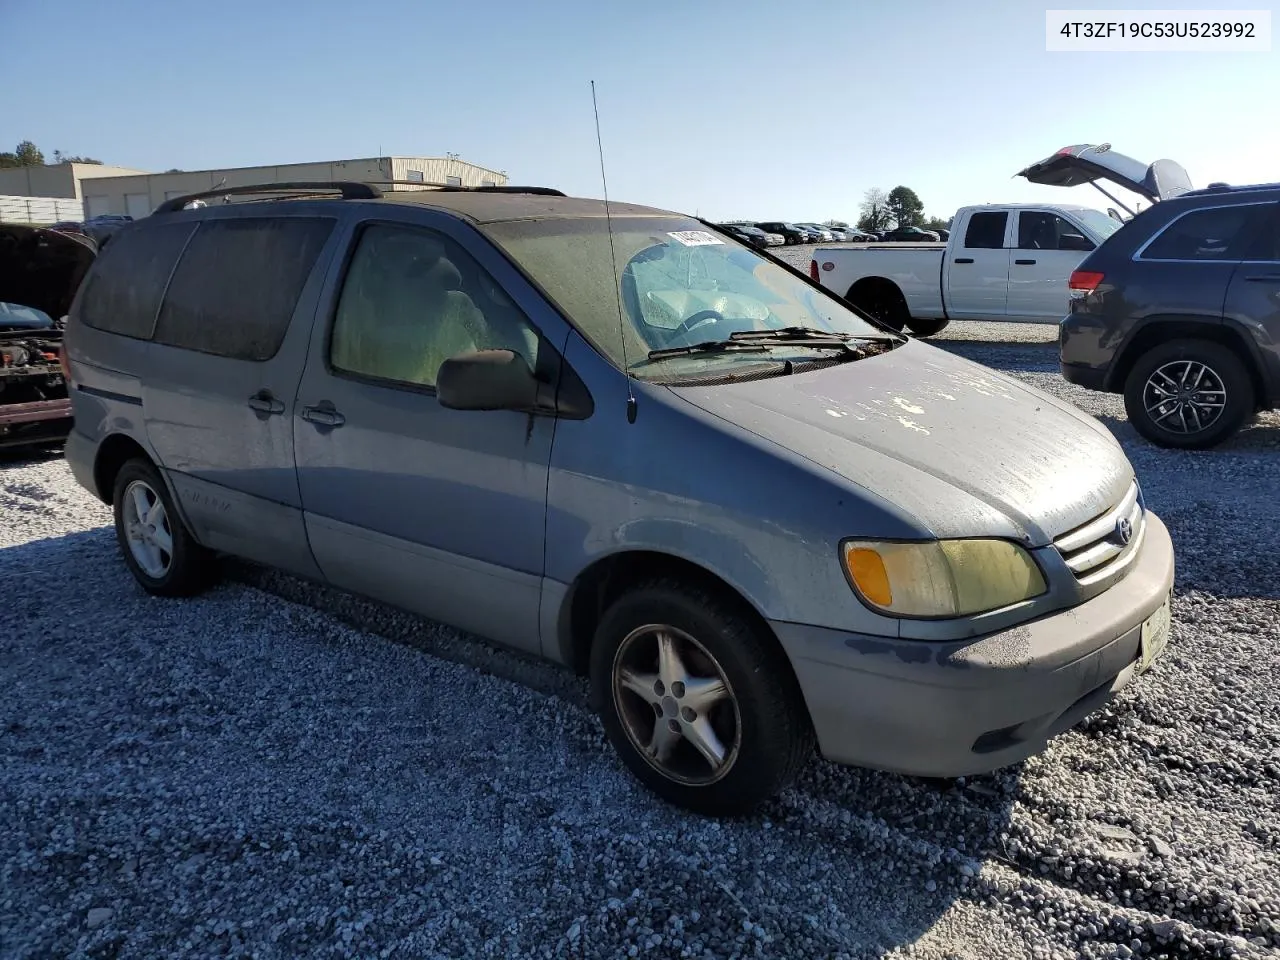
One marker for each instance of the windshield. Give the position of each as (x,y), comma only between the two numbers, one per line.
(680,285)
(1097,221)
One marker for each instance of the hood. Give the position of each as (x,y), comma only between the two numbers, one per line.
(963,449)
(1086,163)
(42,268)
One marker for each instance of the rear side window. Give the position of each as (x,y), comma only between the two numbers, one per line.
(1266,242)
(124,287)
(236,288)
(986,231)
(1202,235)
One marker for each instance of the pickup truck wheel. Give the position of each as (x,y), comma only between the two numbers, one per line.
(700,705)
(926,328)
(158,549)
(882,299)
(1188,394)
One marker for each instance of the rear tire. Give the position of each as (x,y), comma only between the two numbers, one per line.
(157,547)
(1188,394)
(729,695)
(882,300)
(926,328)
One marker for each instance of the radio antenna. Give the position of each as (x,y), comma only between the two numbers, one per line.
(613,260)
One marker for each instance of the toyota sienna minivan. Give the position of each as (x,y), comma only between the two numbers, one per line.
(629,443)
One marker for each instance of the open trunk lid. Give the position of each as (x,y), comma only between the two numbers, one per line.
(41,269)
(1088,163)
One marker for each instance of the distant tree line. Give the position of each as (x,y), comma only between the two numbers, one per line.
(27,154)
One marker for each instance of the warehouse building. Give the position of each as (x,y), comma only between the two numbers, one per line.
(136,193)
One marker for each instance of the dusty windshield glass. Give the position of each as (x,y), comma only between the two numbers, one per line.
(679,285)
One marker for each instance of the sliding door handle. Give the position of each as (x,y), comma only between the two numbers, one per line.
(266,403)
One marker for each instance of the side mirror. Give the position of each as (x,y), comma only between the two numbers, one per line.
(487,380)
(1075,241)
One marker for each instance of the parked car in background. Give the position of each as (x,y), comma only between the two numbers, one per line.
(821,233)
(70,226)
(102,228)
(789,231)
(943,233)
(939,598)
(748,234)
(1003,262)
(40,271)
(909,235)
(1179,311)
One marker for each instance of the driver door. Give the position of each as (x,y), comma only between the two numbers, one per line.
(1040,266)
(438,511)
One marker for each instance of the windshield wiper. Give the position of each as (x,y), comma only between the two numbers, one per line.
(809,336)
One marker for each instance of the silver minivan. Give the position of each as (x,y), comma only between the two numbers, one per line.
(626,442)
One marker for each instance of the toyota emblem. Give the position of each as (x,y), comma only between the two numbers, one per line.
(1124,530)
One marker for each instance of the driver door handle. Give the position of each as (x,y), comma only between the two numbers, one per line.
(1024,263)
(323,414)
(964,260)
(265,402)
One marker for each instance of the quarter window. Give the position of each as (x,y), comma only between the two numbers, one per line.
(123,290)
(238,283)
(986,231)
(1203,235)
(412,299)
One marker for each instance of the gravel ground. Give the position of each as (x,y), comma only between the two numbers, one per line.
(277,770)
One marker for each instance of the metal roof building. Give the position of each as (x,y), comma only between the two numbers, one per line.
(123,191)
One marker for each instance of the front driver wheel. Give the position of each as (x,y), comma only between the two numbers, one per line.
(1188,394)
(699,703)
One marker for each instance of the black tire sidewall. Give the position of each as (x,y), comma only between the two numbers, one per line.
(1223,361)
(189,569)
(775,731)
(926,328)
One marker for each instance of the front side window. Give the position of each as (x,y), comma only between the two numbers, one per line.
(1041,230)
(412,299)
(1202,235)
(677,285)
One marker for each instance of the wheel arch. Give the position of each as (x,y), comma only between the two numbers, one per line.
(607,577)
(1157,330)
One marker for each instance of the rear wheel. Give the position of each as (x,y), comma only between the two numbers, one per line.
(158,549)
(926,328)
(699,703)
(883,300)
(1189,394)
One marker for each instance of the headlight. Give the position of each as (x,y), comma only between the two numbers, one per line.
(941,578)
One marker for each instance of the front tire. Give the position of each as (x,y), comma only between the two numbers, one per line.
(1188,394)
(698,701)
(157,547)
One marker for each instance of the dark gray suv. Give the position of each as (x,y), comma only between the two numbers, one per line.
(1179,311)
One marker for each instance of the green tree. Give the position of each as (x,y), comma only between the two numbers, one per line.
(60,157)
(937,223)
(905,207)
(875,215)
(27,154)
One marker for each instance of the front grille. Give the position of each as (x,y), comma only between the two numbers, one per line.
(1097,550)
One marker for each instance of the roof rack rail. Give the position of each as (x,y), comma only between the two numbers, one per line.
(348,189)
(458,188)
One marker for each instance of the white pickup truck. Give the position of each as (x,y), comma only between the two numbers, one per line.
(1002,261)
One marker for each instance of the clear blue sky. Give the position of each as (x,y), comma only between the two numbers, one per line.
(733,108)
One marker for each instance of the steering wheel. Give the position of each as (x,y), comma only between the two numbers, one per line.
(695,321)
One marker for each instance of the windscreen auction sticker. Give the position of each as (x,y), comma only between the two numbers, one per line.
(1128,31)
(695,238)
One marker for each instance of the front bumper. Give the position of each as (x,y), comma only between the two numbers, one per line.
(956,709)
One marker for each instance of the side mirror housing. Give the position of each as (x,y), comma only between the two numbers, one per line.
(1075,241)
(487,380)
